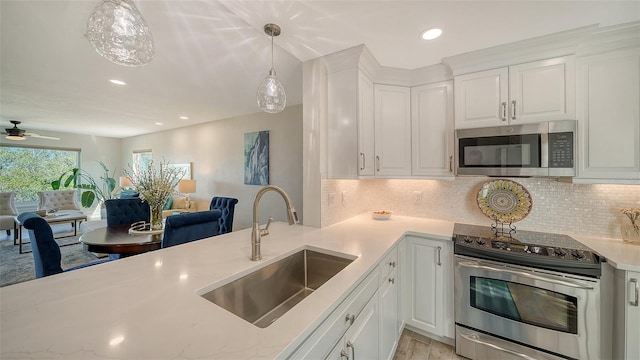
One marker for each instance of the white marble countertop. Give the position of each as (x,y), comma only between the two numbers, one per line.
(148,307)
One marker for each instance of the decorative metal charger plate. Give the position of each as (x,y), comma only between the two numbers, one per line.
(504,200)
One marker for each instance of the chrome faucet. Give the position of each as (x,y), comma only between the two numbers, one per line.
(257,233)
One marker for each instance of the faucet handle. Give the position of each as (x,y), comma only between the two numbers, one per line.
(265,231)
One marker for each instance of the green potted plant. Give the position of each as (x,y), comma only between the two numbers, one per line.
(91,188)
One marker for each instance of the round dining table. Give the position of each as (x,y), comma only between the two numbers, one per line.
(118,240)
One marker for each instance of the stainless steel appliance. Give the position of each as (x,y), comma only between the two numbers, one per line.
(529,295)
(538,149)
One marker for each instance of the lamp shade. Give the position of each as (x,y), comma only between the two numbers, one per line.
(187,186)
(125,182)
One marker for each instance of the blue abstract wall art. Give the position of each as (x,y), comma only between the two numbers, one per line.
(256,158)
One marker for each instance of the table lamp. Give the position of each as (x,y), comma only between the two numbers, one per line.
(187,186)
(125,182)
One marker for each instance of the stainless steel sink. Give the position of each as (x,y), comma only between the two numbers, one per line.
(264,295)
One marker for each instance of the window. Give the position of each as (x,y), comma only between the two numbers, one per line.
(27,170)
(141,159)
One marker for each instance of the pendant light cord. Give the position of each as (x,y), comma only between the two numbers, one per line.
(272,50)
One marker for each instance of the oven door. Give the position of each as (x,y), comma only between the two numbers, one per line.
(538,308)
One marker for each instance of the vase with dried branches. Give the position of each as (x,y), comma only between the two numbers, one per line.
(155,184)
(630,230)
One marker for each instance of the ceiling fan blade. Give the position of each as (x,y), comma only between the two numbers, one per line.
(42,137)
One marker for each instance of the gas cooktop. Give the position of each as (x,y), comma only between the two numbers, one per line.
(555,252)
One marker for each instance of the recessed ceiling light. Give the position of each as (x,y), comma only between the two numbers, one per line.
(117,82)
(431,34)
(159,123)
(184,117)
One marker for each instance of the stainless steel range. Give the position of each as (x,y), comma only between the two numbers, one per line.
(524,294)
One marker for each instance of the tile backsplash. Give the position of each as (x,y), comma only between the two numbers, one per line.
(557,207)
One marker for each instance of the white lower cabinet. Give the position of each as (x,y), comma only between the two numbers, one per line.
(429,285)
(361,341)
(627,316)
(366,324)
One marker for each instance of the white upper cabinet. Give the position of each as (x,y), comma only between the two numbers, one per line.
(392,130)
(525,93)
(609,115)
(366,128)
(481,98)
(432,129)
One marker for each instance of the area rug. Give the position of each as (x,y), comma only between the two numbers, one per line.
(16,268)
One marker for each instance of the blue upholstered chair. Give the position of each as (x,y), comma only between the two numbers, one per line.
(46,251)
(227,206)
(126,211)
(187,227)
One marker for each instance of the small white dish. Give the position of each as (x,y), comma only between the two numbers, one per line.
(381,215)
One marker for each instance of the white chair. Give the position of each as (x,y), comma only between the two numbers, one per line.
(7,211)
(58,200)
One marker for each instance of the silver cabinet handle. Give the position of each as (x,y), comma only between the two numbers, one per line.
(353,349)
(439,255)
(504,111)
(513,110)
(392,280)
(635,302)
(350,319)
(343,354)
(474,338)
(450,163)
(363,159)
(475,265)
(377,163)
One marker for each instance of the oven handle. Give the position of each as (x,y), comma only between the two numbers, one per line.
(475,339)
(475,265)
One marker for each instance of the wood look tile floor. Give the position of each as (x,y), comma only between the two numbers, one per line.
(413,346)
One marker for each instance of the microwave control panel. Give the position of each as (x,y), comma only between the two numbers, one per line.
(561,150)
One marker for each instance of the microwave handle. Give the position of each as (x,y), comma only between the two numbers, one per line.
(504,111)
(475,265)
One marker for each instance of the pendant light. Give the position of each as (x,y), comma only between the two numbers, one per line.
(118,32)
(271,95)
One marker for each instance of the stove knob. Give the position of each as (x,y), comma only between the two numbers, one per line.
(536,249)
(480,242)
(559,252)
(467,240)
(499,245)
(577,254)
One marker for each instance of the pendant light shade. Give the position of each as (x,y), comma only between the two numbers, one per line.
(271,95)
(118,32)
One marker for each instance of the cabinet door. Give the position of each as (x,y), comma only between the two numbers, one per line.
(481,99)
(389,335)
(392,130)
(609,115)
(342,125)
(366,129)
(542,91)
(428,301)
(361,341)
(432,129)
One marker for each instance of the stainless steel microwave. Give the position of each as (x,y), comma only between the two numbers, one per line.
(538,149)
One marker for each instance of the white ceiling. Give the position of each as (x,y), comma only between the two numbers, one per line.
(211,54)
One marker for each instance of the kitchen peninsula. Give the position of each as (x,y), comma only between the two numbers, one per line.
(148,306)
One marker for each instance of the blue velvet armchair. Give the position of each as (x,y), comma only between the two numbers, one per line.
(227,206)
(46,252)
(187,227)
(126,211)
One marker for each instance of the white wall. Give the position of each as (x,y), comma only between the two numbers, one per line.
(216,150)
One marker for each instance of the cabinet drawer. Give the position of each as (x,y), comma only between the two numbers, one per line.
(389,263)
(321,341)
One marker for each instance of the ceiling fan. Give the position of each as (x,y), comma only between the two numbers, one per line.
(16,133)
